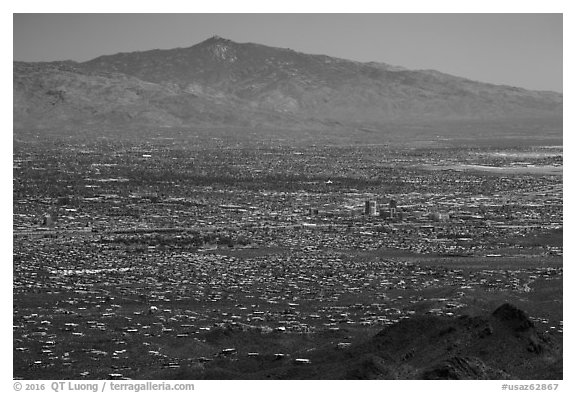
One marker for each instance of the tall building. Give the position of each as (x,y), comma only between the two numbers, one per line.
(392,205)
(371,208)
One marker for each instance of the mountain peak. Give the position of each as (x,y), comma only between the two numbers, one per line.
(220,48)
(213,41)
(216,39)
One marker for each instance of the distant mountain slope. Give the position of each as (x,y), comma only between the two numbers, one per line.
(62,94)
(222,82)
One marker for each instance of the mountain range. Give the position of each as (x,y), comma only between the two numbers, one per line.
(219,82)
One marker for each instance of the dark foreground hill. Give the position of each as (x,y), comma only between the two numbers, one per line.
(502,345)
(219,82)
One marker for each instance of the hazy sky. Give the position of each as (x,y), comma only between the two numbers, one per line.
(522,50)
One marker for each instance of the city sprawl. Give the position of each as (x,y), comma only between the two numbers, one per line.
(175,254)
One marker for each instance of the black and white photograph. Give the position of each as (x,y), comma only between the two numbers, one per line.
(286,196)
